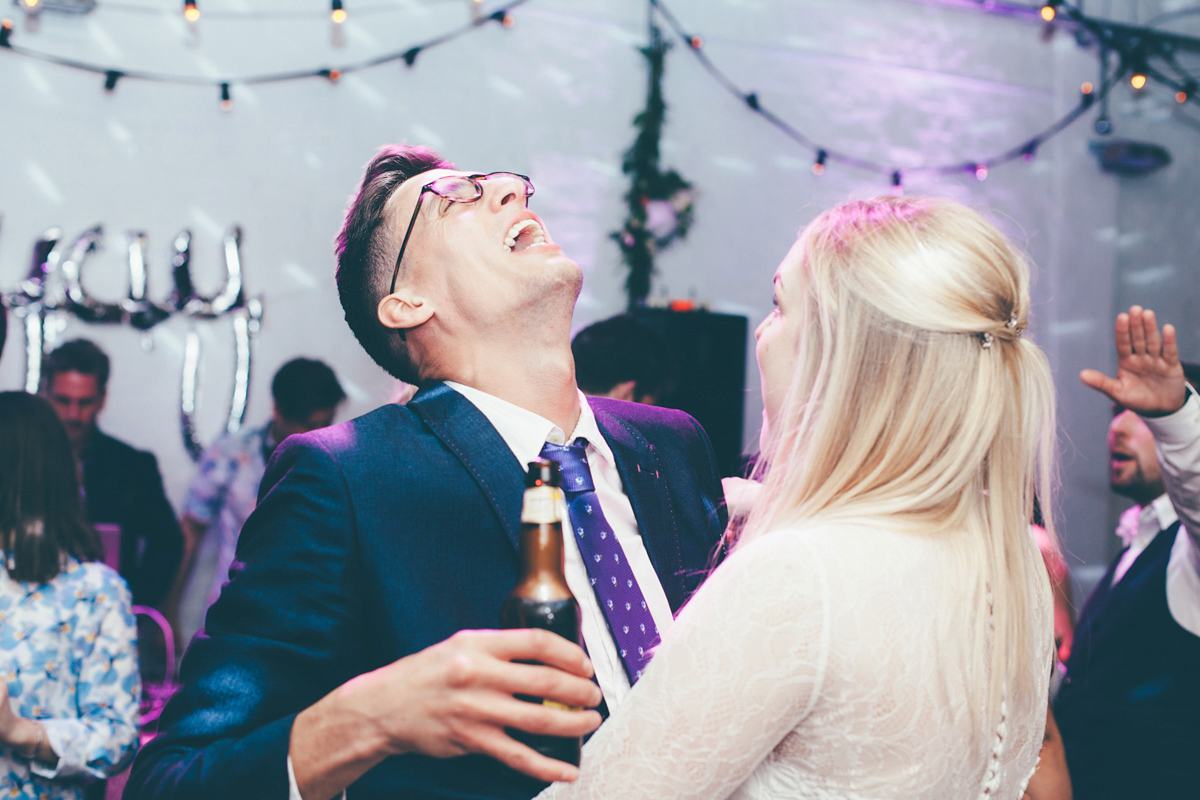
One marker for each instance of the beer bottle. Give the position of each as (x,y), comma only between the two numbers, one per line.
(542,598)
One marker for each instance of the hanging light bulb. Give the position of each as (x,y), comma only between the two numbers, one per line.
(190,12)
(897,183)
(981,172)
(818,166)
(1138,80)
(6,28)
(226,100)
(1029,151)
(110,80)
(337,13)
(696,42)
(31,6)
(1048,12)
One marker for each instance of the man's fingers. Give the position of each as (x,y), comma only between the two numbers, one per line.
(1137,330)
(547,682)
(523,758)
(1170,349)
(1150,330)
(1100,382)
(509,712)
(1121,334)
(531,644)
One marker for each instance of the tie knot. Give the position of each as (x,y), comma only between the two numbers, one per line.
(572,461)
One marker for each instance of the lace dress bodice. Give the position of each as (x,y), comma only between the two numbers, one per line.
(818,663)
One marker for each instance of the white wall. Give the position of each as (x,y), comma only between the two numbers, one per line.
(901,82)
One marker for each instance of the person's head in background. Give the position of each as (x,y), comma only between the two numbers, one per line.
(75,381)
(306,394)
(41,519)
(623,358)
(1133,465)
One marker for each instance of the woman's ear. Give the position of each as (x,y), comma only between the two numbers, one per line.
(404,309)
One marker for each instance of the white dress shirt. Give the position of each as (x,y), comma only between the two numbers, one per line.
(1177,444)
(525,433)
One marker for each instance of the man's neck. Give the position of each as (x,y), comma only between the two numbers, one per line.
(80,447)
(543,383)
(1143,495)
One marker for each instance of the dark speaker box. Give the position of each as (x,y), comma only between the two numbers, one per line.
(710,370)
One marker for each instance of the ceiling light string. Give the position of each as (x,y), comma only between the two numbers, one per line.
(112,76)
(824,154)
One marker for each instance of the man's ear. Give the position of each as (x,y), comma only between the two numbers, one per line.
(623,391)
(404,309)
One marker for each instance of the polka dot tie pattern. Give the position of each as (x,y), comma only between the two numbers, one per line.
(612,580)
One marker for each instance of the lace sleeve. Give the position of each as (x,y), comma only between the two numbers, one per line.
(739,669)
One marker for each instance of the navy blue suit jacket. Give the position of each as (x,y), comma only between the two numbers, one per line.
(372,540)
(122,485)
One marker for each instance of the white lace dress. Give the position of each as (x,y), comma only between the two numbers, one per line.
(815,663)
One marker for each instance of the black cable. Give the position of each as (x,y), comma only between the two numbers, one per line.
(752,100)
(408,55)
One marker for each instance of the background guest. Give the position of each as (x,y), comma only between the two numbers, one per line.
(121,485)
(69,682)
(306,396)
(622,358)
(1130,701)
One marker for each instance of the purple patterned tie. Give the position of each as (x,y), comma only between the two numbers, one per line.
(612,580)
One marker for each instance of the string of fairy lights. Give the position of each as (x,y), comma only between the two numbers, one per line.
(1141,54)
(338,15)
(1135,47)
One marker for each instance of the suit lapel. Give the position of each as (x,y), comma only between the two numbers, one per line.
(467,434)
(644,479)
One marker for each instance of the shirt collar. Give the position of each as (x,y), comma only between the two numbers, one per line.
(525,432)
(1146,521)
(1164,513)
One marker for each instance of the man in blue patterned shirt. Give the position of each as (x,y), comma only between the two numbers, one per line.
(306,396)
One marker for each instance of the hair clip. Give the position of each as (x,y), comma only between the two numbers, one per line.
(986,339)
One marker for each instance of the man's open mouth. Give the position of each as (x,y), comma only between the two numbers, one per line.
(524,234)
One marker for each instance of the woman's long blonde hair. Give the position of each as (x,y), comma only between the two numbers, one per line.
(916,397)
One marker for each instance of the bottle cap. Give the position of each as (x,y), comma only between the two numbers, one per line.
(543,472)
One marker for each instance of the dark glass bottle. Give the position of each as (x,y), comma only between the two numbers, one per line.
(542,598)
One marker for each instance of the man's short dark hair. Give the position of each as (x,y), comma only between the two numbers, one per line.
(304,385)
(77,355)
(366,254)
(619,349)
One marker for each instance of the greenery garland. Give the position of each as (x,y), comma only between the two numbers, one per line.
(660,203)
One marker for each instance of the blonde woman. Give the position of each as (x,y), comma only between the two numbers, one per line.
(883,627)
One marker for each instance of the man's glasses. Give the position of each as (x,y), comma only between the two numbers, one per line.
(456,189)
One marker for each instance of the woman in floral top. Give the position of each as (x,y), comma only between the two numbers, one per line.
(69,683)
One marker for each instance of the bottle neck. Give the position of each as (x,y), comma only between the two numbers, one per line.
(542,548)
(542,542)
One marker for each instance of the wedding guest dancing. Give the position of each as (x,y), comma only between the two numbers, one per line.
(69,683)
(1130,701)
(341,654)
(883,626)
